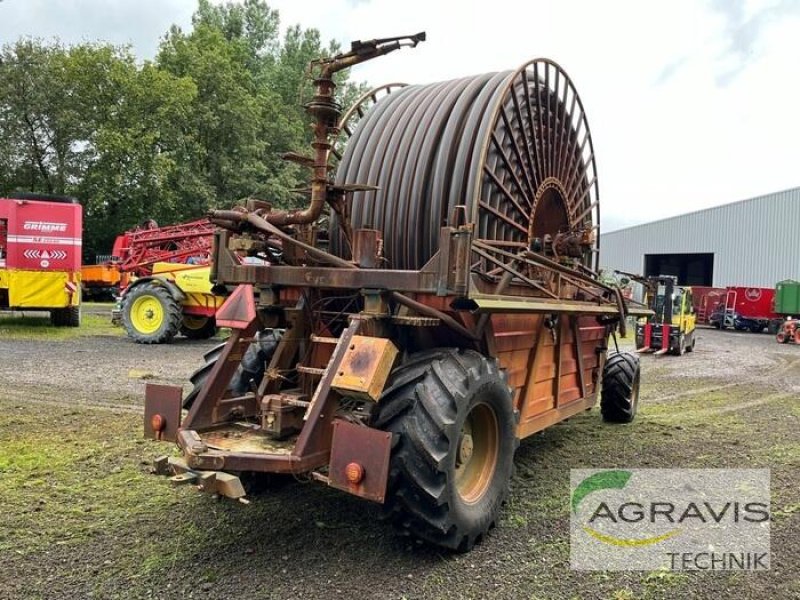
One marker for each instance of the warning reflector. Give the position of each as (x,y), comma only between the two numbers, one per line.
(239,310)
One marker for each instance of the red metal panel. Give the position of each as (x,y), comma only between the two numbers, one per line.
(752,302)
(705,300)
(363,446)
(43,236)
(239,309)
(166,401)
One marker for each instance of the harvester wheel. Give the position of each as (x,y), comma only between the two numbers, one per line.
(150,314)
(198,328)
(454,429)
(250,371)
(66,317)
(620,396)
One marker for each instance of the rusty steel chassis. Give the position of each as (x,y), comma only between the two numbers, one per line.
(446,277)
(449,295)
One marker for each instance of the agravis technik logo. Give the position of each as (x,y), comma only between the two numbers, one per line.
(613,480)
(715,519)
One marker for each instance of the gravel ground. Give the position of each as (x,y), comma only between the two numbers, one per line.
(88,520)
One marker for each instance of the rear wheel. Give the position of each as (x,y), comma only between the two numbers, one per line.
(619,400)
(150,314)
(66,317)
(756,328)
(454,429)
(198,328)
(250,371)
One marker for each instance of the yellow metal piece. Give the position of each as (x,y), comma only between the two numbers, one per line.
(476,458)
(191,279)
(194,281)
(147,314)
(39,289)
(506,304)
(686,319)
(365,367)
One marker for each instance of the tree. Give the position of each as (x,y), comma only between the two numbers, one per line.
(202,126)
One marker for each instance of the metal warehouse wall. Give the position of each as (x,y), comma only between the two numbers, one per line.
(755,242)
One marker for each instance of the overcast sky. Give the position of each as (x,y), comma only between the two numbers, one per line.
(691,104)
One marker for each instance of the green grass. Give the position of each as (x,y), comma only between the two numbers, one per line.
(70,479)
(95,320)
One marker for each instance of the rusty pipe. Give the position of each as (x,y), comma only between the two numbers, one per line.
(325,111)
(263,225)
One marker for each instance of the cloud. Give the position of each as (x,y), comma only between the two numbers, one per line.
(139,24)
(670,70)
(744,29)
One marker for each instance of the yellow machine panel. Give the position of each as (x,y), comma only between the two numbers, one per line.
(191,279)
(39,289)
(365,367)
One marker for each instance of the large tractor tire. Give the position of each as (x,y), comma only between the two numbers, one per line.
(198,328)
(66,317)
(454,429)
(619,399)
(150,314)
(250,371)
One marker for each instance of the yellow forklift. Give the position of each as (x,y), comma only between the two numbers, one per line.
(671,329)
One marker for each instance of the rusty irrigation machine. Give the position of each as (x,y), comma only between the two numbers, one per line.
(448,307)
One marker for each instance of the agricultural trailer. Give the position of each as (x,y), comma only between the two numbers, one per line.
(746,309)
(435,302)
(705,300)
(40,255)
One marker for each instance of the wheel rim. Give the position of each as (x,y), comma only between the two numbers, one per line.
(147,314)
(194,323)
(476,453)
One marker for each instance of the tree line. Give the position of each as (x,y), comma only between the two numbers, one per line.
(202,125)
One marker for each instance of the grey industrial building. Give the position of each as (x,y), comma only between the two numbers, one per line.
(752,243)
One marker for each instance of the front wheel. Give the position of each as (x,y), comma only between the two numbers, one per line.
(619,399)
(454,429)
(680,345)
(150,314)
(690,346)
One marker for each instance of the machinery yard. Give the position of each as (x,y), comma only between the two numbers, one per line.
(377,352)
(81,516)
